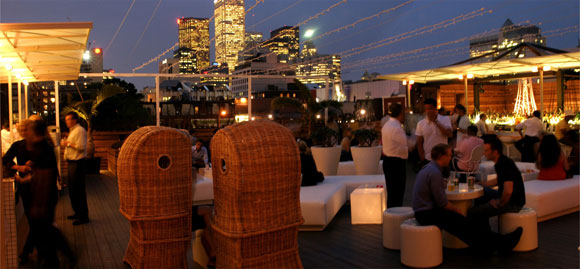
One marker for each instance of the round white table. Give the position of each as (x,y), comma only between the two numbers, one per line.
(462,198)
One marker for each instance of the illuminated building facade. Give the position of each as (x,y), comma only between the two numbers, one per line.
(193,52)
(168,66)
(252,45)
(285,42)
(310,63)
(509,35)
(230,31)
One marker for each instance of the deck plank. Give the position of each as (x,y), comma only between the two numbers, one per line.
(102,242)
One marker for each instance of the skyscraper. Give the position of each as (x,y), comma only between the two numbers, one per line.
(285,42)
(229,31)
(193,52)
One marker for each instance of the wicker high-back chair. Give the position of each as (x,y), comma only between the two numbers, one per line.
(256,171)
(154,177)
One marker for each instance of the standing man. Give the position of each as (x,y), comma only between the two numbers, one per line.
(6,137)
(432,208)
(396,152)
(431,131)
(461,123)
(74,153)
(510,196)
(534,128)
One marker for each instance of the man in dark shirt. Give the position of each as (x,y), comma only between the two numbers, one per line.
(432,208)
(510,196)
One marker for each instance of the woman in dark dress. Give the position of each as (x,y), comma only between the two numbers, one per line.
(38,172)
(310,174)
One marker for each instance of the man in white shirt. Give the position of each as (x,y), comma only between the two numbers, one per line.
(534,128)
(6,137)
(431,131)
(74,153)
(462,122)
(396,152)
(482,128)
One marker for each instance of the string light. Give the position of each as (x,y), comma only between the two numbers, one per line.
(416,32)
(146,27)
(363,20)
(121,25)
(275,14)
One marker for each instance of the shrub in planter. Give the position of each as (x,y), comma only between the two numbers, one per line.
(326,155)
(366,158)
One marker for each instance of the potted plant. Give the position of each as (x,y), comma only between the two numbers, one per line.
(366,157)
(325,152)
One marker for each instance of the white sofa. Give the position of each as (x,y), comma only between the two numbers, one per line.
(202,191)
(553,198)
(352,182)
(486,168)
(319,204)
(347,168)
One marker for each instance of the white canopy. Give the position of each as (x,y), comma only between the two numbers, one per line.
(42,51)
(490,69)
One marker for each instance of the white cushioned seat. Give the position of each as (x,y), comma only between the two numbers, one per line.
(392,219)
(526,219)
(421,246)
(352,182)
(202,191)
(319,204)
(347,168)
(486,168)
(553,198)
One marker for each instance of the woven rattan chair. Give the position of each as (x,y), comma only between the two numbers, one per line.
(256,169)
(154,177)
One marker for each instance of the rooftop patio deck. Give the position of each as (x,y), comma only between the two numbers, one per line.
(102,243)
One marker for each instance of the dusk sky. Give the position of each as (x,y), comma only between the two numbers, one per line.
(556,18)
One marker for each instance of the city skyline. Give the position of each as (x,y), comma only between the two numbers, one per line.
(161,33)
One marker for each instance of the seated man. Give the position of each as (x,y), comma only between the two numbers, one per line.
(482,128)
(199,156)
(432,208)
(510,196)
(462,162)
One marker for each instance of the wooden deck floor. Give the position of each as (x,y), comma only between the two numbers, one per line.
(102,243)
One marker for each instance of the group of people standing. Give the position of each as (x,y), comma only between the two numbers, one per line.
(31,159)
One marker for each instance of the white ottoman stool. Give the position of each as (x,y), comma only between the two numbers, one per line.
(392,219)
(421,246)
(527,219)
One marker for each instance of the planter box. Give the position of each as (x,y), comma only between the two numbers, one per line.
(366,159)
(112,155)
(326,159)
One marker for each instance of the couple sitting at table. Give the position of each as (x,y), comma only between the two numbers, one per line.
(432,208)
(463,152)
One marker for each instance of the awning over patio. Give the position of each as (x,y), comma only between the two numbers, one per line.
(42,51)
(490,69)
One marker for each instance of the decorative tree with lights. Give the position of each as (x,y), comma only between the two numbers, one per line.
(525,103)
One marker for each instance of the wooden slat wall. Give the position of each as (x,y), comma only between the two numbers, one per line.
(502,98)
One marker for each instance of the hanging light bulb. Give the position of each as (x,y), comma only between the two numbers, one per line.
(460,76)
(546,68)
(534,69)
(469,76)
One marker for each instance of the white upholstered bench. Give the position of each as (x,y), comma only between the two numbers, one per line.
(553,198)
(347,168)
(319,204)
(352,182)
(202,191)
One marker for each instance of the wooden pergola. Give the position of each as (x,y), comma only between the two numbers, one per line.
(548,61)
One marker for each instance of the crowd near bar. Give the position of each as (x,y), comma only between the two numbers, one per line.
(367,134)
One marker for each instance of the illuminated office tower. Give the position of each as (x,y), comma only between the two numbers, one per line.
(193,52)
(229,31)
(285,42)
